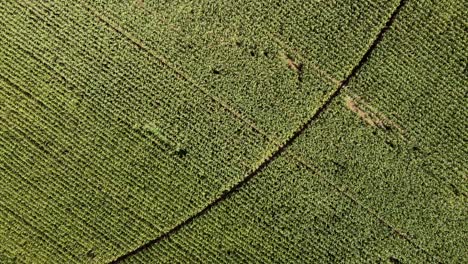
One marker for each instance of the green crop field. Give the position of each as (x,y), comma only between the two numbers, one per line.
(233,131)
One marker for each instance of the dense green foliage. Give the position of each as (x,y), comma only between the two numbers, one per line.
(246,42)
(391,147)
(103,147)
(119,120)
(287,214)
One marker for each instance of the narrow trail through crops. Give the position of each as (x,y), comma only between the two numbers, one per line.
(285,145)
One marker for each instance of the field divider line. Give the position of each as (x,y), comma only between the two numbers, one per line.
(281,146)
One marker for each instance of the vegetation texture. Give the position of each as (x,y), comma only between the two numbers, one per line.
(233,131)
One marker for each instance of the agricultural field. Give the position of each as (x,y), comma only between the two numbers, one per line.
(233,131)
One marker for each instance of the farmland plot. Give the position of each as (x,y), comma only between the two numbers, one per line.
(391,146)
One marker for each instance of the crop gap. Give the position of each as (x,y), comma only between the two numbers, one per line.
(181,153)
(391,144)
(215,71)
(394,260)
(299,73)
(455,189)
(90,254)
(385,126)
(339,167)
